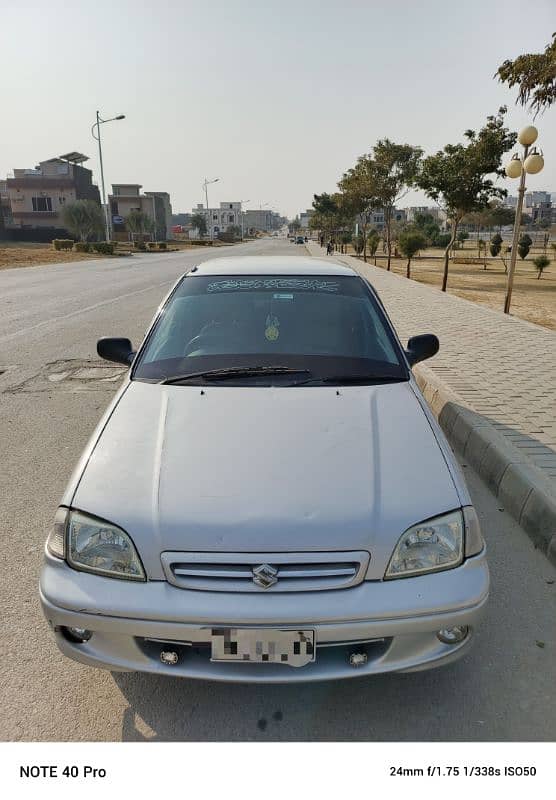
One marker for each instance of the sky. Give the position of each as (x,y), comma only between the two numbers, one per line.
(276,99)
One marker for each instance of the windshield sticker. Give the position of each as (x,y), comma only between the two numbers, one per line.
(282,296)
(272,331)
(306,284)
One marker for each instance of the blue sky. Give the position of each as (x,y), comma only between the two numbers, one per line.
(277,99)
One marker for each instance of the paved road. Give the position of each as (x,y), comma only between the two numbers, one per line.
(48,315)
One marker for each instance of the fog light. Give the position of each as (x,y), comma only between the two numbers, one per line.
(78,634)
(169,657)
(358,659)
(453,635)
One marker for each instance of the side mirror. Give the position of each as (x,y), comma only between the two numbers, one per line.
(115,349)
(422,347)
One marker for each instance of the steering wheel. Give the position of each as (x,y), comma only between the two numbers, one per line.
(214,333)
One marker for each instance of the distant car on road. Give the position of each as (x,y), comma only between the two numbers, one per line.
(268,497)
(300,240)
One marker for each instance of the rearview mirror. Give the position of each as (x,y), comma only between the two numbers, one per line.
(115,349)
(422,347)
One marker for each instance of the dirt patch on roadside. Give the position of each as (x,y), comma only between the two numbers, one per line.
(38,255)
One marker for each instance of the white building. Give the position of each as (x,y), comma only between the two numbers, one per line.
(220,219)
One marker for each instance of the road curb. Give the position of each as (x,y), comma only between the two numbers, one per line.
(522,488)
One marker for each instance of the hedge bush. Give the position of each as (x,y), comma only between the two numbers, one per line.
(151,245)
(82,247)
(104,248)
(140,246)
(162,246)
(62,244)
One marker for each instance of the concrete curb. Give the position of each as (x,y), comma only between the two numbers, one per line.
(522,488)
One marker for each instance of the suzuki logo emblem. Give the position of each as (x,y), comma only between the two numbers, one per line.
(265,576)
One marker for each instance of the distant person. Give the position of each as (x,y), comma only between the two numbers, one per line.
(329,248)
(322,241)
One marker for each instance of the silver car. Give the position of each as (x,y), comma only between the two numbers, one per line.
(268,497)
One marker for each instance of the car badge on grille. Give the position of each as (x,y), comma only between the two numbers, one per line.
(265,576)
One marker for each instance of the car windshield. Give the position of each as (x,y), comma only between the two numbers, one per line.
(324,326)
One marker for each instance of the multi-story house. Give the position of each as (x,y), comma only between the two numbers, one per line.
(127,197)
(6,218)
(220,219)
(37,196)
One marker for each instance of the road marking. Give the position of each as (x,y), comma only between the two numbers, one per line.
(85,310)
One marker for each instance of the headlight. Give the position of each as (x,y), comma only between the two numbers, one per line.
(100,547)
(428,547)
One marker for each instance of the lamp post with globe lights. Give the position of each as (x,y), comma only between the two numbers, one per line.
(531,162)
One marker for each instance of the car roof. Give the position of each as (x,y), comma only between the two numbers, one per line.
(271,265)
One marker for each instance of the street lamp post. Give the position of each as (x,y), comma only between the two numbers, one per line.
(531,163)
(205,185)
(241,202)
(97,125)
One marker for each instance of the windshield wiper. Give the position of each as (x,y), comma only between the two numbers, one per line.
(343,379)
(233,372)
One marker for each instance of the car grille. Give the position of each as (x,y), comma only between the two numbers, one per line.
(265,572)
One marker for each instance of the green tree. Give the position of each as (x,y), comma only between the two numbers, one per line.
(535,76)
(498,215)
(373,239)
(199,221)
(428,225)
(333,215)
(83,219)
(396,167)
(410,241)
(524,245)
(541,263)
(137,222)
(462,236)
(357,190)
(358,243)
(495,245)
(458,175)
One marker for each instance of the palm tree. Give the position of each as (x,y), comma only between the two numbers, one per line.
(83,219)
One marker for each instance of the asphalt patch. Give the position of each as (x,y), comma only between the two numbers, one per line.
(72,375)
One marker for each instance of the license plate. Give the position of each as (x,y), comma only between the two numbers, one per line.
(265,645)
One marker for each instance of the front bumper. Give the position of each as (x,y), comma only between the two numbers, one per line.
(394,622)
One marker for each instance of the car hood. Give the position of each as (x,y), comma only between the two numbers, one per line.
(259,469)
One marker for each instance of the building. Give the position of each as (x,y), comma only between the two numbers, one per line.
(182,219)
(220,219)
(538,205)
(438,214)
(162,215)
(6,218)
(127,197)
(262,219)
(537,198)
(305,218)
(37,196)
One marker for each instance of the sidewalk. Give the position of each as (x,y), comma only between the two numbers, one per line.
(493,388)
